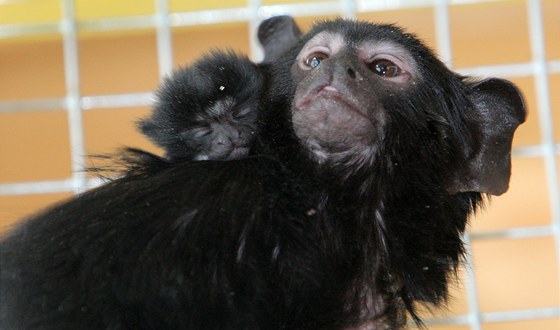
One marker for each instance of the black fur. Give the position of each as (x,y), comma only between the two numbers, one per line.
(276,240)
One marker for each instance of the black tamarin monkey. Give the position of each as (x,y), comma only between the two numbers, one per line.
(369,158)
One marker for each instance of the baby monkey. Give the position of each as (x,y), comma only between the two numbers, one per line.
(207,111)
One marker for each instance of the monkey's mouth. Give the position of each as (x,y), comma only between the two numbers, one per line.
(329,119)
(328,96)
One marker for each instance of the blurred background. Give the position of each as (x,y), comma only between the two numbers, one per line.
(75,76)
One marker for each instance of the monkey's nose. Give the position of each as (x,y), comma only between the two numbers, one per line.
(351,73)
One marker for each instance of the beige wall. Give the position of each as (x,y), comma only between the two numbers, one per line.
(34,145)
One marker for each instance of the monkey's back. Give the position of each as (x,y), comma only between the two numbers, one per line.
(174,248)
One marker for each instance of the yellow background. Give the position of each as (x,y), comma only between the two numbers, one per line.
(34,145)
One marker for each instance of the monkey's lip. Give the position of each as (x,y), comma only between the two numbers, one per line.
(329,92)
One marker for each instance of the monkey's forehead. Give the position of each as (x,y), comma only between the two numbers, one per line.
(336,41)
(355,32)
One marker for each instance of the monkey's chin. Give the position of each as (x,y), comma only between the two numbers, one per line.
(333,125)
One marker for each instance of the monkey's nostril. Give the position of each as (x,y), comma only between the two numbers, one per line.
(351,73)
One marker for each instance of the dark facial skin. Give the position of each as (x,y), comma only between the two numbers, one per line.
(224,131)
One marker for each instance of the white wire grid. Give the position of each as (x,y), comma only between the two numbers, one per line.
(253,13)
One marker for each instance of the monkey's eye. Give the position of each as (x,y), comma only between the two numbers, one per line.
(314,59)
(200,132)
(385,68)
(241,112)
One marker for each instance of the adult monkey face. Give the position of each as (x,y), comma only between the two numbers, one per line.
(365,91)
(337,108)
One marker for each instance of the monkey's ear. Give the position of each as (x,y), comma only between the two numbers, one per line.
(276,35)
(498,108)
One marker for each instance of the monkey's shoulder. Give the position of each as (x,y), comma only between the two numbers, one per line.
(161,194)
